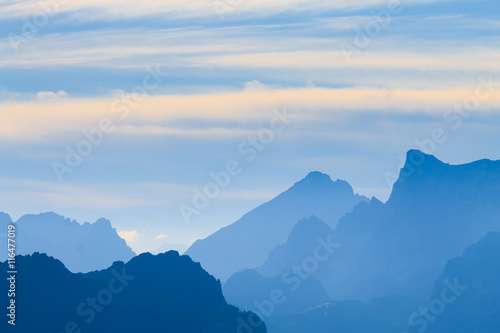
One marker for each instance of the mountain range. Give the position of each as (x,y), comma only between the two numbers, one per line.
(286,270)
(163,293)
(81,247)
(246,243)
(465,298)
(435,211)
(316,258)
(384,251)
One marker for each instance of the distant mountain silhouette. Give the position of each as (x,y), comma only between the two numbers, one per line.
(394,252)
(435,211)
(82,248)
(163,293)
(466,297)
(247,242)
(301,244)
(5,220)
(269,297)
(293,267)
(181,248)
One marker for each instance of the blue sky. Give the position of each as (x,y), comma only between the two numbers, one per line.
(219,82)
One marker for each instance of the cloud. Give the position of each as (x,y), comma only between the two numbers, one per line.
(282,54)
(130,236)
(95,10)
(479,60)
(255,85)
(46,195)
(51,94)
(443,17)
(213,115)
(245,47)
(160,236)
(155,130)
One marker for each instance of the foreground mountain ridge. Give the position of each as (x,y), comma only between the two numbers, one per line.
(163,293)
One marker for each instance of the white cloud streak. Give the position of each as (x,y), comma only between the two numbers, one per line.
(92,10)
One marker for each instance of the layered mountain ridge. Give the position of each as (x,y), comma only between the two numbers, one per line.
(246,243)
(435,211)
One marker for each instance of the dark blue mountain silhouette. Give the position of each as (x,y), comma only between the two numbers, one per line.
(163,293)
(466,297)
(436,210)
(81,247)
(247,242)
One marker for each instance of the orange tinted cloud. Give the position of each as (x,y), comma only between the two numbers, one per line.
(160,115)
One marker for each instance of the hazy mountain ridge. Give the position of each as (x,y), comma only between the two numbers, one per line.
(81,247)
(181,248)
(378,263)
(269,297)
(435,211)
(466,296)
(247,242)
(283,271)
(300,244)
(384,315)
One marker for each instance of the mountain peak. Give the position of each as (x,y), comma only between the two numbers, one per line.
(420,166)
(103,223)
(5,218)
(83,248)
(417,164)
(307,225)
(416,158)
(317,177)
(234,248)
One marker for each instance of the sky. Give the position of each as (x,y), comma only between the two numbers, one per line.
(129,110)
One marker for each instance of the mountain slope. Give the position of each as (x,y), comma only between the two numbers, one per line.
(164,293)
(81,247)
(386,315)
(294,268)
(302,242)
(247,242)
(269,297)
(435,211)
(466,297)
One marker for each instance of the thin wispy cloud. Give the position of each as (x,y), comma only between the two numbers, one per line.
(90,10)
